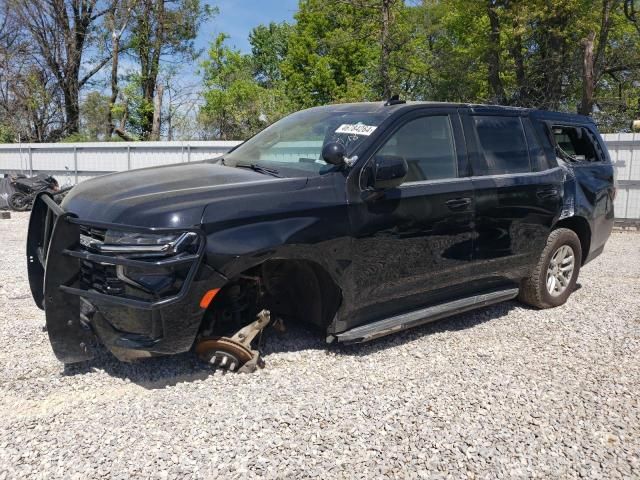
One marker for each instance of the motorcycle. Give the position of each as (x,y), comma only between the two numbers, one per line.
(26,189)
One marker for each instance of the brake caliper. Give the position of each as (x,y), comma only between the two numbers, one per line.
(235,353)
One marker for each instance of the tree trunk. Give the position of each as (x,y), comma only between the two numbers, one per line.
(60,31)
(157,112)
(593,59)
(115,50)
(385,50)
(588,75)
(496,88)
(70,90)
(521,97)
(553,64)
(151,37)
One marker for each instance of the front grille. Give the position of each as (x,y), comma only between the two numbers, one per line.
(95,276)
(101,278)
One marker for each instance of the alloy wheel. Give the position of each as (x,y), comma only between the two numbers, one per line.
(560,270)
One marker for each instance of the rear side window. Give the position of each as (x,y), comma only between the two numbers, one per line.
(576,144)
(426,143)
(537,154)
(502,144)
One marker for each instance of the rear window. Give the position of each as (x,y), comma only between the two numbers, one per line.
(502,145)
(576,144)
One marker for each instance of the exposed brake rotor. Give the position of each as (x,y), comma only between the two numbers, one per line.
(235,353)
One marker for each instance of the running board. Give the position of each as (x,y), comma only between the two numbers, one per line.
(390,325)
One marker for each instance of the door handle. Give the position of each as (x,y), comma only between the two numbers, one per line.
(547,192)
(458,203)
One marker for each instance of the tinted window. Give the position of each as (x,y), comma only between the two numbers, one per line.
(503,145)
(544,135)
(426,143)
(537,154)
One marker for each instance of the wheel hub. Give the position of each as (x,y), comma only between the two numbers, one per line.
(235,354)
(223,353)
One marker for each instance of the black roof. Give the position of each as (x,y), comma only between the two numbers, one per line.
(380,107)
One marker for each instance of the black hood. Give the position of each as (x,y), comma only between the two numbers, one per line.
(169,196)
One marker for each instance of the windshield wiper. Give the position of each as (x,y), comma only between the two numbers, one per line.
(260,169)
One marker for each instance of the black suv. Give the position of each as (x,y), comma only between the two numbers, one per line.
(360,219)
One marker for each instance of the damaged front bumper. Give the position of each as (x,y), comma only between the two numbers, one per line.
(137,304)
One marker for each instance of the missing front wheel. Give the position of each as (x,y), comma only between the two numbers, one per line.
(234,353)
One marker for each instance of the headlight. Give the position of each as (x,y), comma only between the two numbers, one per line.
(120,237)
(118,241)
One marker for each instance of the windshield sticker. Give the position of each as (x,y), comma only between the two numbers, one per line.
(355,129)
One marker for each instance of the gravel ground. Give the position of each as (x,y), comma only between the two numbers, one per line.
(503,392)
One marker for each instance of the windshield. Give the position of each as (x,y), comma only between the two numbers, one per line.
(296,141)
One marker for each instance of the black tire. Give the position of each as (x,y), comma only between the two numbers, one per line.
(19,202)
(533,290)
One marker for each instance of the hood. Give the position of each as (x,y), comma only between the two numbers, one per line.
(168,196)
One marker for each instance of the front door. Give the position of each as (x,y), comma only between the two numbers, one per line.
(413,244)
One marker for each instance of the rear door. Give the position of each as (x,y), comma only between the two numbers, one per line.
(517,193)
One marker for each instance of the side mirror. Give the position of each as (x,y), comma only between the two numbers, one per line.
(334,153)
(389,171)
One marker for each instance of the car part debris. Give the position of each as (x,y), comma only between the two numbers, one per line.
(235,353)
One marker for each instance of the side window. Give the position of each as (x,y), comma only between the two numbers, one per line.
(576,144)
(426,143)
(538,156)
(545,136)
(503,145)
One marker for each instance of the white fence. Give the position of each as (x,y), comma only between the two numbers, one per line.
(624,149)
(74,162)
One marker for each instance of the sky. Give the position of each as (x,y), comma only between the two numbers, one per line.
(238,17)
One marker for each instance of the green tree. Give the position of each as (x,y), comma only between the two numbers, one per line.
(330,56)
(236,104)
(7,135)
(161,28)
(94,121)
(354,50)
(61,31)
(561,55)
(269,47)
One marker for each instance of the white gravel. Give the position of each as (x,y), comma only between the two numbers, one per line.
(505,392)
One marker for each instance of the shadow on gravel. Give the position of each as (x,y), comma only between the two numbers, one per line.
(161,372)
(455,323)
(152,373)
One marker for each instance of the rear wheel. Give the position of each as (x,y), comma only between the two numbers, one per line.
(554,276)
(19,202)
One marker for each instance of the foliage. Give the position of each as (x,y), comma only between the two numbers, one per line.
(94,120)
(59,33)
(572,55)
(330,54)
(7,135)
(236,104)
(161,28)
(269,47)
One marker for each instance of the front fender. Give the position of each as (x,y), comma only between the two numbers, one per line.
(310,224)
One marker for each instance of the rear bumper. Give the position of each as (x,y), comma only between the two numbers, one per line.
(129,323)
